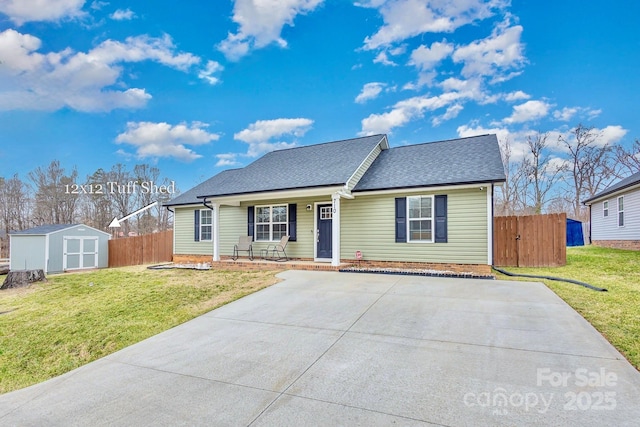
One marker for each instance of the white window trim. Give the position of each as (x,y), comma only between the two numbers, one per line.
(206,225)
(621,211)
(605,209)
(271,223)
(433,222)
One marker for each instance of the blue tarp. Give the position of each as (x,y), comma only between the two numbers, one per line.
(574,233)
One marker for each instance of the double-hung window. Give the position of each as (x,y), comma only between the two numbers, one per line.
(420,218)
(271,222)
(605,208)
(206,224)
(621,211)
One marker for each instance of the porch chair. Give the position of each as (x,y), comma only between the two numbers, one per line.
(243,245)
(278,250)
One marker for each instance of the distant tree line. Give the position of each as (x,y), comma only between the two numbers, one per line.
(54,195)
(558,175)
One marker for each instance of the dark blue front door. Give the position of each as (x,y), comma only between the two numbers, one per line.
(323,231)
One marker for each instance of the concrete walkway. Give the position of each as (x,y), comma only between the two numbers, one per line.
(328,349)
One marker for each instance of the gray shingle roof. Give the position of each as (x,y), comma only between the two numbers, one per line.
(620,185)
(457,161)
(44,229)
(319,165)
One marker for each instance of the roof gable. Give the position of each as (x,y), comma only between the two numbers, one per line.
(457,161)
(618,186)
(319,165)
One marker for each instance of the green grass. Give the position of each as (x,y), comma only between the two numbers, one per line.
(51,328)
(616,313)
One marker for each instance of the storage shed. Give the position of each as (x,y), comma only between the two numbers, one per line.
(59,247)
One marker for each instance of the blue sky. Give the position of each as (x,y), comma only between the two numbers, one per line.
(197,87)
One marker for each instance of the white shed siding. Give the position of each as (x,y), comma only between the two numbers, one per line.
(28,252)
(607,228)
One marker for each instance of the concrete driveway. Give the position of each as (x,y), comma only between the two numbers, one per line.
(325,348)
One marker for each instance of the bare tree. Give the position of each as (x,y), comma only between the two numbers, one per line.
(15,205)
(542,174)
(589,165)
(97,210)
(629,160)
(122,193)
(56,194)
(511,198)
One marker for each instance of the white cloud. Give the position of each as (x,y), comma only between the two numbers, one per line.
(207,74)
(382,58)
(424,79)
(568,113)
(409,18)
(405,111)
(517,95)
(84,81)
(517,140)
(164,140)
(426,58)
(612,134)
(565,114)
(21,11)
(495,56)
(529,111)
(261,23)
(451,113)
(227,159)
(259,134)
(369,91)
(122,15)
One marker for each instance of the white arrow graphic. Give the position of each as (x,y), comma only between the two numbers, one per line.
(116,222)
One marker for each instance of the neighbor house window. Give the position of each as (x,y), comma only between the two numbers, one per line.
(420,218)
(605,208)
(271,222)
(206,221)
(621,211)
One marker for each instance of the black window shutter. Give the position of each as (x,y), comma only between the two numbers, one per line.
(292,222)
(441,219)
(196,225)
(250,220)
(401,219)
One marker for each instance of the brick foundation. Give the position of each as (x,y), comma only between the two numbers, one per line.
(479,269)
(307,264)
(633,245)
(191,259)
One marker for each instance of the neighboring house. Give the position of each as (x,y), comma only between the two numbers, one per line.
(428,203)
(59,247)
(615,215)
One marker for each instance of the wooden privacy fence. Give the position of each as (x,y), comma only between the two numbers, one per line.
(530,241)
(145,249)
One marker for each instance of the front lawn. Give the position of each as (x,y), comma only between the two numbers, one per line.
(616,313)
(51,328)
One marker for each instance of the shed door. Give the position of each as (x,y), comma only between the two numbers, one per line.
(80,252)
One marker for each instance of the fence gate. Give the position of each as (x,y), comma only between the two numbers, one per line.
(530,241)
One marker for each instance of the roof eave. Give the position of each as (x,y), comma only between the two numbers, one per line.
(437,185)
(606,194)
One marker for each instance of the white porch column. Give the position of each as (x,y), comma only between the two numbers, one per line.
(216,231)
(490,224)
(335,230)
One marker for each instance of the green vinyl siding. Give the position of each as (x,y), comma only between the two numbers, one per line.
(233,224)
(237,216)
(368,225)
(184,231)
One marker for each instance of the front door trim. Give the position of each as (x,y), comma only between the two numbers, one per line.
(315,231)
